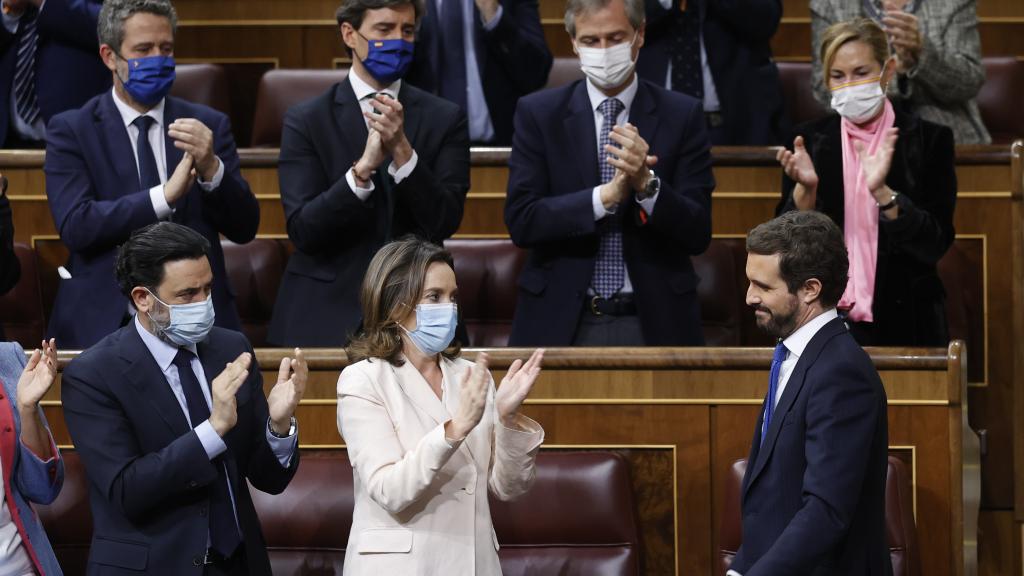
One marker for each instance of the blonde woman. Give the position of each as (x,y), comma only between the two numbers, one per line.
(427,434)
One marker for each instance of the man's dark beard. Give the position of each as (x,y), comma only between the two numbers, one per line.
(777,325)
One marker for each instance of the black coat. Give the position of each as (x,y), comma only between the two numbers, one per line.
(909,300)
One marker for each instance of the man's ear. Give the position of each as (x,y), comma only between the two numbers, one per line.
(109,57)
(348,35)
(810,292)
(142,299)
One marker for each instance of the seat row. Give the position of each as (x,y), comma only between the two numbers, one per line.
(280,89)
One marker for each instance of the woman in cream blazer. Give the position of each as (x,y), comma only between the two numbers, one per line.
(427,433)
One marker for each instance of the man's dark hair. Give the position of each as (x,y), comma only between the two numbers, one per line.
(114,13)
(140,260)
(809,245)
(353,11)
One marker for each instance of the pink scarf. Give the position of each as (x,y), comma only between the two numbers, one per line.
(860,226)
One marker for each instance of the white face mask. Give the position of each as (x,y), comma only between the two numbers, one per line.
(607,67)
(859,101)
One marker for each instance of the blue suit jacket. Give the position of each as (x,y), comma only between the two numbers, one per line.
(513,59)
(813,499)
(69,70)
(737,37)
(552,171)
(92,185)
(149,475)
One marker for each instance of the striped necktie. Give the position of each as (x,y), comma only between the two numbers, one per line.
(25,69)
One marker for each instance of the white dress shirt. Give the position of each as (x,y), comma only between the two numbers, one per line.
(480,127)
(14,559)
(156,143)
(27,131)
(795,345)
(364,94)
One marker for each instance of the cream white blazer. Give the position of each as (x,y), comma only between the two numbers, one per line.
(420,503)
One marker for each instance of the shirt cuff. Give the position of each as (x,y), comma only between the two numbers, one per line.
(595,201)
(493,22)
(160,206)
(733,573)
(666,4)
(648,203)
(283,448)
(214,183)
(361,193)
(211,441)
(399,174)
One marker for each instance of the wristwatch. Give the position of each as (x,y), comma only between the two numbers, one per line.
(890,204)
(652,188)
(291,429)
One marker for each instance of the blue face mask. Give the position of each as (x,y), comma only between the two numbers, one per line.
(188,324)
(435,327)
(387,60)
(149,79)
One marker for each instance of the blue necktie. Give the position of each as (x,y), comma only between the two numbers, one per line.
(224,537)
(453,53)
(25,68)
(148,174)
(609,272)
(773,385)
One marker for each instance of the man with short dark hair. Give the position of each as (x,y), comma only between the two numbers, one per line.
(813,497)
(610,189)
(169,417)
(134,156)
(370,160)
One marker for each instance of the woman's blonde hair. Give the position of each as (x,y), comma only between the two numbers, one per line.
(857,30)
(391,288)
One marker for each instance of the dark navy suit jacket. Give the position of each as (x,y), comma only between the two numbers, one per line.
(553,169)
(69,70)
(149,475)
(813,498)
(92,184)
(737,36)
(513,59)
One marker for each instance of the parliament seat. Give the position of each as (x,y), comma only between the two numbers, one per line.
(1000,98)
(487,273)
(21,308)
(278,91)
(901,532)
(205,84)
(797,94)
(255,270)
(564,71)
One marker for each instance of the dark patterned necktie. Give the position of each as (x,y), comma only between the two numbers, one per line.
(609,273)
(684,49)
(25,68)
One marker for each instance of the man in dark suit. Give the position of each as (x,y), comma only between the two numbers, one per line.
(482,55)
(813,498)
(169,417)
(134,156)
(719,51)
(10,268)
(370,160)
(49,63)
(610,240)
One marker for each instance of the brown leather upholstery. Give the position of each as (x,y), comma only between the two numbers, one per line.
(205,84)
(280,90)
(901,531)
(578,519)
(1000,98)
(564,71)
(21,308)
(720,309)
(963,278)
(487,272)
(797,92)
(68,520)
(255,270)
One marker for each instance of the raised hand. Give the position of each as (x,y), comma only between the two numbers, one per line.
(181,179)
(38,376)
(224,415)
(472,401)
(798,165)
(876,166)
(630,156)
(285,395)
(515,386)
(905,34)
(195,138)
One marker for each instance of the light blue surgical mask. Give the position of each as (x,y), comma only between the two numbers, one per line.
(435,327)
(188,324)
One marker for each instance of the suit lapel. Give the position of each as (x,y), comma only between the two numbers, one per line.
(580,133)
(643,114)
(453,376)
(115,139)
(419,392)
(349,118)
(149,381)
(789,395)
(411,107)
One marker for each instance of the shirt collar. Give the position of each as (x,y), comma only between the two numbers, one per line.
(129,114)
(363,89)
(163,352)
(798,341)
(626,96)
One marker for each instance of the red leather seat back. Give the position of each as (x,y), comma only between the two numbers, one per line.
(282,89)
(487,272)
(68,520)
(205,84)
(255,270)
(1000,98)
(801,106)
(720,311)
(564,71)
(901,532)
(21,308)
